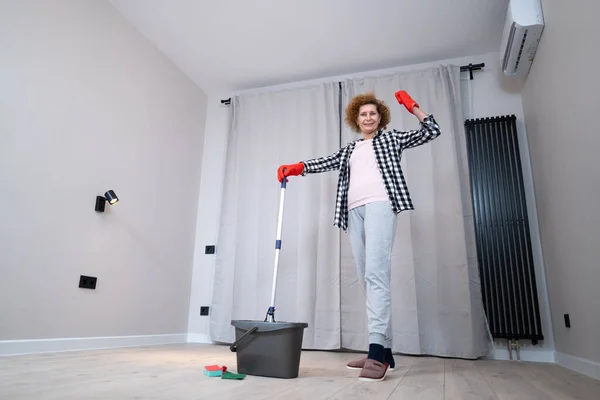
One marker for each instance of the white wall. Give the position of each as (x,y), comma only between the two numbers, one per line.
(561,101)
(489,94)
(209,207)
(87,104)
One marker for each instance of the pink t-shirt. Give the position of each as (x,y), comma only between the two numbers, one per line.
(366,183)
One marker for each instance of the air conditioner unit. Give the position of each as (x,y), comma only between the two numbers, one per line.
(522,31)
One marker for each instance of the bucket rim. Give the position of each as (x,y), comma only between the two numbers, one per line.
(264,326)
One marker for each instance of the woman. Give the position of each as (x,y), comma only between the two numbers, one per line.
(371,191)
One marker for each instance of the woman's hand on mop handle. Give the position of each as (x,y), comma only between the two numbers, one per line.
(289,170)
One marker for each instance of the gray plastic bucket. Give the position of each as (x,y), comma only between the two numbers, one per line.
(270,349)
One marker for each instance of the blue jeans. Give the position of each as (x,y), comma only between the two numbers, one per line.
(371,230)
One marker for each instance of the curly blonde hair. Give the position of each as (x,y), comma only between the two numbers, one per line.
(360,100)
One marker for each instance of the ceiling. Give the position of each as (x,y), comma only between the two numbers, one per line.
(241,44)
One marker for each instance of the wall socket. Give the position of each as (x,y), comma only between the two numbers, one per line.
(567,321)
(209,249)
(87,282)
(204,310)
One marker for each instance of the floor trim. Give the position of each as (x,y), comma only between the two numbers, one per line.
(18,347)
(545,356)
(198,338)
(581,365)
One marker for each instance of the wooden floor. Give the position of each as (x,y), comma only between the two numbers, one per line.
(175,372)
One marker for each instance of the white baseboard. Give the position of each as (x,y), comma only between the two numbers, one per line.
(18,347)
(198,338)
(581,365)
(545,356)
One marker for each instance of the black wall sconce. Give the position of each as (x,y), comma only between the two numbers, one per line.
(109,196)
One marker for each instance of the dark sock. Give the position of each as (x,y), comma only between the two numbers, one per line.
(389,358)
(376,352)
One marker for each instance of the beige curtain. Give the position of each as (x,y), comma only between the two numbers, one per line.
(436,296)
(269,129)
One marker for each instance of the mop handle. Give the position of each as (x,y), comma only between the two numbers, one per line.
(280,217)
(271,312)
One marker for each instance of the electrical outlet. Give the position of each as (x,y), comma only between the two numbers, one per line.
(87,282)
(204,310)
(209,249)
(567,321)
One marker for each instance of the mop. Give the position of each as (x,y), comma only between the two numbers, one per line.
(270,317)
(270,348)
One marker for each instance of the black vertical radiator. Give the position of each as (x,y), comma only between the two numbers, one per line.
(502,229)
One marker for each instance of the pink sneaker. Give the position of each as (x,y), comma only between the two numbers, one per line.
(373,371)
(360,363)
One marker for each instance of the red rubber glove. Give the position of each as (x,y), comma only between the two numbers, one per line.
(406,100)
(290,169)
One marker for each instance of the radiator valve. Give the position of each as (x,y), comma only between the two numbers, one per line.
(514,344)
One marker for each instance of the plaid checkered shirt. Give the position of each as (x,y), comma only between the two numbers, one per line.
(388,147)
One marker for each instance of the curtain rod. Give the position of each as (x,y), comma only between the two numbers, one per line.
(470,68)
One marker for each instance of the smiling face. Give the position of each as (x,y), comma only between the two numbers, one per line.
(366,114)
(368,120)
